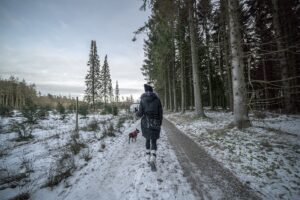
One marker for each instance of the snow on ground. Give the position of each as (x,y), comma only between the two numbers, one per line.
(266,156)
(104,167)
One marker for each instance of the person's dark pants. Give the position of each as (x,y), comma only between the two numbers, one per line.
(153,144)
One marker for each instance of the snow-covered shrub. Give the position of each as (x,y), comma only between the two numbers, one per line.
(98,136)
(111,130)
(115,110)
(110,109)
(102,147)
(31,113)
(43,113)
(120,123)
(3,151)
(26,164)
(74,135)
(23,129)
(83,109)
(5,111)
(60,169)
(75,146)
(129,117)
(60,108)
(86,154)
(21,196)
(10,178)
(259,115)
(93,125)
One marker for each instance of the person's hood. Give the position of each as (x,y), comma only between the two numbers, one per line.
(149,96)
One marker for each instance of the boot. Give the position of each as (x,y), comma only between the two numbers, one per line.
(153,156)
(148,156)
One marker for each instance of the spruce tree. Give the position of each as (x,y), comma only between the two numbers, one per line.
(92,79)
(106,87)
(117,93)
(111,91)
(240,112)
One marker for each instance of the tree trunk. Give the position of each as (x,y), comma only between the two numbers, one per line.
(76,122)
(170,87)
(191,88)
(240,111)
(266,95)
(221,63)
(208,67)
(182,80)
(166,93)
(174,70)
(196,78)
(174,88)
(282,58)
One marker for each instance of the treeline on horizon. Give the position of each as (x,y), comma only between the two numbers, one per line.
(224,53)
(16,94)
(19,95)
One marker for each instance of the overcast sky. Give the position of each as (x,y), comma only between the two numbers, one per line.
(47,42)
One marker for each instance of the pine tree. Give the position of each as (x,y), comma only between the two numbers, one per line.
(194,51)
(92,79)
(111,92)
(106,88)
(240,112)
(117,93)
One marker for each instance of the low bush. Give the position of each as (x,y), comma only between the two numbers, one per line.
(63,117)
(60,170)
(21,196)
(102,147)
(3,150)
(115,110)
(93,125)
(31,113)
(83,109)
(60,108)
(23,129)
(259,114)
(26,164)
(86,154)
(75,146)
(43,113)
(111,130)
(71,108)
(120,123)
(6,111)
(110,109)
(11,178)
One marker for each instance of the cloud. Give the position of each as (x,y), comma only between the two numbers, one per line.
(48,43)
(55,71)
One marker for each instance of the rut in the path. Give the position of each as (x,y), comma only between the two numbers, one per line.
(208,178)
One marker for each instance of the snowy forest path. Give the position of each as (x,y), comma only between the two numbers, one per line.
(208,179)
(125,174)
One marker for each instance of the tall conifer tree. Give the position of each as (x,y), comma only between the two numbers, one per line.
(117,93)
(106,88)
(92,79)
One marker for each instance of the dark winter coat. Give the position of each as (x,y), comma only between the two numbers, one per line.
(150,110)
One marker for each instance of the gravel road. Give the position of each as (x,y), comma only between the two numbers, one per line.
(208,179)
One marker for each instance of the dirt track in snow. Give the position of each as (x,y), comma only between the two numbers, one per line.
(126,175)
(208,179)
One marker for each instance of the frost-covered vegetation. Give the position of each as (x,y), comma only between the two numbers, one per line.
(265,155)
(43,151)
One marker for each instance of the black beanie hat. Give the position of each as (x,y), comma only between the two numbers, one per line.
(148,88)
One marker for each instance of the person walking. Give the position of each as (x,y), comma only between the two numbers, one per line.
(151,112)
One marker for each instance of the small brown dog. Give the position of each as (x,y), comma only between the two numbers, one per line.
(133,135)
